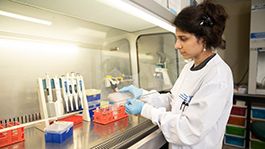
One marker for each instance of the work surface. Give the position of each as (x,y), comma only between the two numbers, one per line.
(92,135)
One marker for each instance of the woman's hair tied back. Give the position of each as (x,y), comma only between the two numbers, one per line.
(206,21)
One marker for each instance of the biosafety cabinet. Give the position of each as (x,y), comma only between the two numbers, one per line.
(257,48)
(98,39)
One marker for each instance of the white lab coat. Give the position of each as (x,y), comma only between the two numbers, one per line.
(202,124)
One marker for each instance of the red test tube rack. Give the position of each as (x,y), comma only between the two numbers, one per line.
(11,136)
(110,114)
(76,119)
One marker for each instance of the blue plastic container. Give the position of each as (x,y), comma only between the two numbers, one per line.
(93,105)
(235,141)
(91,109)
(92,94)
(58,132)
(93,97)
(258,112)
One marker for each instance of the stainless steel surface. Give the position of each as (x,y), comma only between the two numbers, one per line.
(86,134)
(154,140)
(129,137)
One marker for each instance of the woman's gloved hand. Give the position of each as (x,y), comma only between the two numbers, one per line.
(134,106)
(137,92)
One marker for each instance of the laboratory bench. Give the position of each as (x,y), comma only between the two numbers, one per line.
(133,132)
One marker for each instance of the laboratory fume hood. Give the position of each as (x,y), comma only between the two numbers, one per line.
(256,84)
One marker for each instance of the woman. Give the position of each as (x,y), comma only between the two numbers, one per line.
(195,112)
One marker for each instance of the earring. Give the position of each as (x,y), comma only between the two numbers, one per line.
(204,49)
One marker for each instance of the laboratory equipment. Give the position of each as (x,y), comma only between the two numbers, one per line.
(110,114)
(70,92)
(158,61)
(161,70)
(235,141)
(79,90)
(76,119)
(52,105)
(161,73)
(65,91)
(93,100)
(58,95)
(256,81)
(84,102)
(48,90)
(92,94)
(58,132)
(104,103)
(11,136)
(111,128)
(74,91)
(113,82)
(119,97)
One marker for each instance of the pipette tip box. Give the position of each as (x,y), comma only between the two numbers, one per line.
(92,108)
(58,132)
(93,94)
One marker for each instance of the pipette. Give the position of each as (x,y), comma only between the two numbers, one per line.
(58,95)
(65,91)
(48,89)
(74,85)
(70,91)
(79,90)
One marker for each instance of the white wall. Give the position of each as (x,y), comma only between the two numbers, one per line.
(237,37)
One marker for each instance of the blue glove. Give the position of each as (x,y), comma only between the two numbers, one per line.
(134,106)
(137,93)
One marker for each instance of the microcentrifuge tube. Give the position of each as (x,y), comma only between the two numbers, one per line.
(97,109)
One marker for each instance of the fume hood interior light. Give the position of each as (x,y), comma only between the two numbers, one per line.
(125,55)
(125,6)
(46,48)
(24,18)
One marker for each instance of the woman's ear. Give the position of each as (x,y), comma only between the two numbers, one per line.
(202,42)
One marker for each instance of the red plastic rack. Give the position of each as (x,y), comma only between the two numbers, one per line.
(76,119)
(106,130)
(11,136)
(108,115)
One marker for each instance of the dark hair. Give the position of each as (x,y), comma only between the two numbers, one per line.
(206,21)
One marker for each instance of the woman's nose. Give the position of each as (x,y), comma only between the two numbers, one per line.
(178,45)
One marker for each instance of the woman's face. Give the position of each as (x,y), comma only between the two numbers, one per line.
(188,45)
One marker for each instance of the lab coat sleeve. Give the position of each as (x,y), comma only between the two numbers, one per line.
(190,127)
(156,99)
